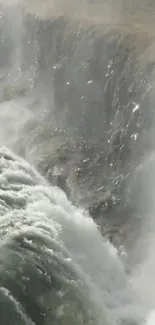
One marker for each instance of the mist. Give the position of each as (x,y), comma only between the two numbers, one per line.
(77,102)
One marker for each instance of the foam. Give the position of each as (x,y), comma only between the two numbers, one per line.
(54,264)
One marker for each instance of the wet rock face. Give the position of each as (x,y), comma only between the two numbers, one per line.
(100,91)
(97,120)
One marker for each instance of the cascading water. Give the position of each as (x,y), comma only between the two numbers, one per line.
(54,265)
(75,81)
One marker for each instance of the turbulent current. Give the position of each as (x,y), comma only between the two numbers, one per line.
(77,162)
(55,268)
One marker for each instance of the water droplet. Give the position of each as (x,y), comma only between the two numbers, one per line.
(134,136)
(136,107)
(86,160)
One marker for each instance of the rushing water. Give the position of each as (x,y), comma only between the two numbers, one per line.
(77,104)
(54,265)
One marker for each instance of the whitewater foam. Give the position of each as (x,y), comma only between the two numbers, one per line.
(55,267)
(54,264)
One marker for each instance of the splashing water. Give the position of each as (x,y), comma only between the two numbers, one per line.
(55,267)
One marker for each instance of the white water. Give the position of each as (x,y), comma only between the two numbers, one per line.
(56,239)
(38,222)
